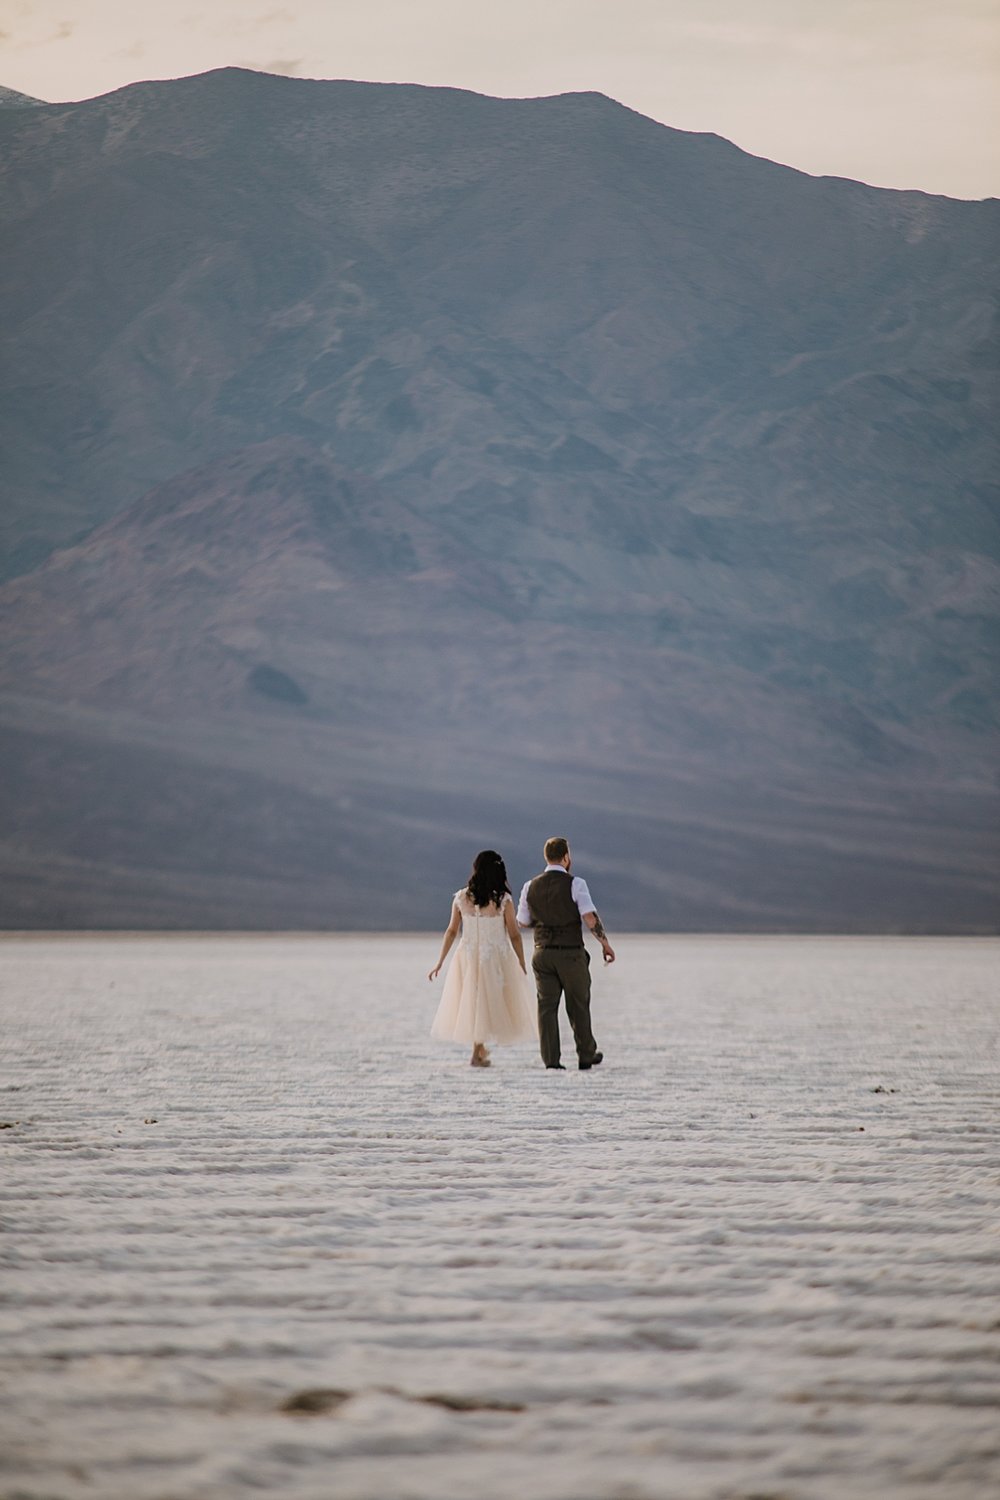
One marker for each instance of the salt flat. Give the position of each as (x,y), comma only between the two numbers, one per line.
(756,1253)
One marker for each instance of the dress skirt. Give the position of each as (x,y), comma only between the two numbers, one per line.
(486,997)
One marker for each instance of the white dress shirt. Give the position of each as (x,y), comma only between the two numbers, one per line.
(578,890)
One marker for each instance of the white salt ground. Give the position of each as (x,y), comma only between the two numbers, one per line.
(756,1253)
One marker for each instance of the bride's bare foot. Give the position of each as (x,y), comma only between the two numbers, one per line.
(480,1057)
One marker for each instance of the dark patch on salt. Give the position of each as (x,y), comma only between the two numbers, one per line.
(468,1403)
(314,1401)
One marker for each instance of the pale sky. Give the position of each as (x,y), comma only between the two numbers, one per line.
(900,93)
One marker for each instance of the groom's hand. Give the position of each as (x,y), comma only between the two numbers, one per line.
(609,953)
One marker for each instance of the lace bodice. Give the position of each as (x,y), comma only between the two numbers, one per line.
(485,931)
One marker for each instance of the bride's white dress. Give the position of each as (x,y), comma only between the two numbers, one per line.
(486,996)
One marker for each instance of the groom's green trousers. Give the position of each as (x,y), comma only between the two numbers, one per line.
(559,971)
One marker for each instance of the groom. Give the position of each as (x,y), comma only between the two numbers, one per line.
(556,904)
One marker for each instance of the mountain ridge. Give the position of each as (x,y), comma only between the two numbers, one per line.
(14,99)
(689,449)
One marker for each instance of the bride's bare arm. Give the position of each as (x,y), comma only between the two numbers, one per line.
(450,934)
(514,932)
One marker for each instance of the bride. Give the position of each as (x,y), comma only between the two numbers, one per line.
(485,996)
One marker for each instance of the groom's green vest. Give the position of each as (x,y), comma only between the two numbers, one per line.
(554,912)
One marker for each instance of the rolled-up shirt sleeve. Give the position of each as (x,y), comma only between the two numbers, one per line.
(523,914)
(581,896)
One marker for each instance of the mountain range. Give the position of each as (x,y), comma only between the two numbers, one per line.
(393,471)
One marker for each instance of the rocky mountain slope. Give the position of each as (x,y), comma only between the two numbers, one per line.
(433,471)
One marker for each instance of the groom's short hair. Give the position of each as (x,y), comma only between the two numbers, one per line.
(555,850)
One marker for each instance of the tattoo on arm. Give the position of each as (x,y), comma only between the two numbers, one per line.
(598,929)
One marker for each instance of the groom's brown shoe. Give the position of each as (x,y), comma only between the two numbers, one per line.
(591,1062)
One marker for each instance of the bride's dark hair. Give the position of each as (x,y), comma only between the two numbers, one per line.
(488,881)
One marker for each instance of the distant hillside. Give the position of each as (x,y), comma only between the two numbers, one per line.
(445,470)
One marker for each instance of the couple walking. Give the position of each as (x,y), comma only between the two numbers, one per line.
(485,997)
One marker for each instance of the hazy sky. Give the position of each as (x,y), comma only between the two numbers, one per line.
(902,93)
